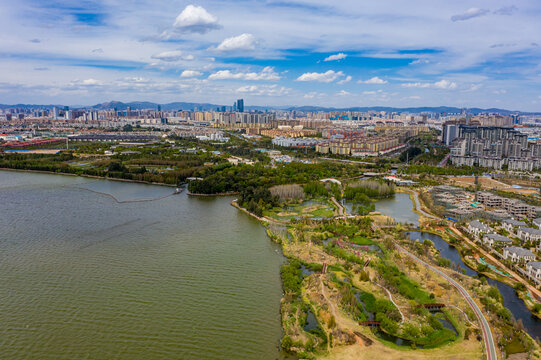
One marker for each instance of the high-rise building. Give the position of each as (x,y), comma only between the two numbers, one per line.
(240,105)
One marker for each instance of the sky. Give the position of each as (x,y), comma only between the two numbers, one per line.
(273,52)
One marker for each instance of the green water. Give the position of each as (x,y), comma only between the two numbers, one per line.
(84,276)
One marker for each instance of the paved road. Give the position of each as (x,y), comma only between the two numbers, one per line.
(485,327)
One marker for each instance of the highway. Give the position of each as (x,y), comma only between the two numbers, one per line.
(485,327)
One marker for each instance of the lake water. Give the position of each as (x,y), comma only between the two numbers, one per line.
(87,274)
(399,207)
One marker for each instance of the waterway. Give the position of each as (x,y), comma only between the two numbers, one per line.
(511,301)
(85,273)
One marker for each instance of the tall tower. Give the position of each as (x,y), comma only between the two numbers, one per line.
(240,105)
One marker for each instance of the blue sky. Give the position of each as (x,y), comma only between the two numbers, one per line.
(273,52)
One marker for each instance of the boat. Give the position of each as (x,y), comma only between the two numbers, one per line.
(177,191)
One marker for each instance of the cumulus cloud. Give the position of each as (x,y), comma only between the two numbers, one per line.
(346,80)
(343,93)
(506,10)
(374,81)
(195,19)
(470,14)
(335,57)
(241,42)
(325,77)
(190,73)
(168,55)
(442,84)
(445,84)
(267,74)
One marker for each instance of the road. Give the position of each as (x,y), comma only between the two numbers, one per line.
(418,205)
(485,327)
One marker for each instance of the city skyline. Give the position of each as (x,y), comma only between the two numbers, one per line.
(273,53)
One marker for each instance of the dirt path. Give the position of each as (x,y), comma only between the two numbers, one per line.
(391,298)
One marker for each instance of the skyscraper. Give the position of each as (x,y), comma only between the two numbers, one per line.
(240,105)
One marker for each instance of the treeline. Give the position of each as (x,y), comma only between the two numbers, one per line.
(107,168)
(448,170)
(224,178)
(371,188)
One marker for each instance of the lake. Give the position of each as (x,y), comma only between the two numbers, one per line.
(86,272)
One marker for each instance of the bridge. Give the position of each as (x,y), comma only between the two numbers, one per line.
(432,306)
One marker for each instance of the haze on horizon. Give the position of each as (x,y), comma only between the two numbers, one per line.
(273,52)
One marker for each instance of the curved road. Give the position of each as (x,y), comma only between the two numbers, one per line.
(485,327)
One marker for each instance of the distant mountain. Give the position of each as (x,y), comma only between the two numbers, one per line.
(439,109)
(139,105)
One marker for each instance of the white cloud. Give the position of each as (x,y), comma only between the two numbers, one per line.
(195,19)
(325,77)
(190,74)
(335,57)
(419,61)
(168,55)
(91,82)
(445,84)
(346,80)
(264,90)
(369,92)
(415,97)
(470,14)
(442,84)
(267,74)
(241,42)
(375,81)
(500,92)
(506,10)
(343,93)
(188,57)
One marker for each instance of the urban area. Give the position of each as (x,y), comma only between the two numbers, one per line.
(452,266)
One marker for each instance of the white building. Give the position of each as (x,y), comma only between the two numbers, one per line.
(477,228)
(515,254)
(529,234)
(534,269)
(490,239)
(510,224)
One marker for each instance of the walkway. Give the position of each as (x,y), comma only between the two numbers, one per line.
(485,327)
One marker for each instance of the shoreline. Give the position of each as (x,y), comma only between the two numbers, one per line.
(211,195)
(88,176)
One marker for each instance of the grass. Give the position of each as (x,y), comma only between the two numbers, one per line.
(514,347)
